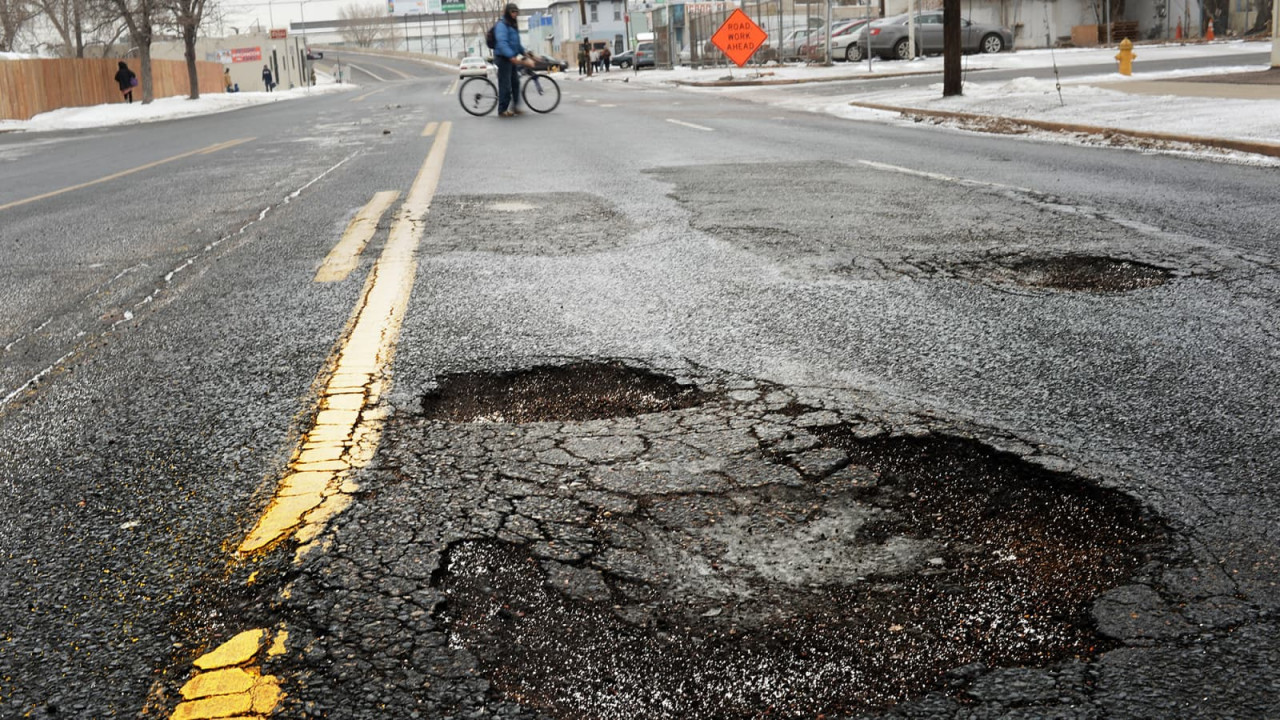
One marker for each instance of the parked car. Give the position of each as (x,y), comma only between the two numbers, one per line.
(314,54)
(473,65)
(549,64)
(889,37)
(843,33)
(623,60)
(644,55)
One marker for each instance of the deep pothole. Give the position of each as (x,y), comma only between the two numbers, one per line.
(1079,273)
(855,574)
(568,393)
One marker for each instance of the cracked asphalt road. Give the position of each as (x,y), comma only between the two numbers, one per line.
(847,454)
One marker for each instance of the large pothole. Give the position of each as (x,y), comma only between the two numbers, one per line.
(818,574)
(569,393)
(1081,273)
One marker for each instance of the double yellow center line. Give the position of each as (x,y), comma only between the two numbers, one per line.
(229,680)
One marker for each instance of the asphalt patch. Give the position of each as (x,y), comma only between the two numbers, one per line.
(583,391)
(524,224)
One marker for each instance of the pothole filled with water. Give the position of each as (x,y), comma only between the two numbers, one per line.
(814,573)
(570,393)
(1081,273)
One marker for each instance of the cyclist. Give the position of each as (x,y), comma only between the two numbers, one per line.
(508,55)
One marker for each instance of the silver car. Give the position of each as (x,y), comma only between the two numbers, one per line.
(889,37)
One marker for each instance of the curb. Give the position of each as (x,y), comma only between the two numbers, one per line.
(1255,147)
(801,81)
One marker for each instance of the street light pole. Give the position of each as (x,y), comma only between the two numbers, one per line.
(1275,33)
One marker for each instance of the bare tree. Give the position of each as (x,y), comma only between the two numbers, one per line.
(81,24)
(189,15)
(488,12)
(14,17)
(141,17)
(364,24)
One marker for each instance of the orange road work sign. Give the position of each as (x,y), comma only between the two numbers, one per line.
(739,38)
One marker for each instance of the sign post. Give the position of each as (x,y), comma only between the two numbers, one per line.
(739,37)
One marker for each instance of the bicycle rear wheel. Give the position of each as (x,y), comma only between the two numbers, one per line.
(478,96)
(541,94)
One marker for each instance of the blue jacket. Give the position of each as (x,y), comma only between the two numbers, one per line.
(506,40)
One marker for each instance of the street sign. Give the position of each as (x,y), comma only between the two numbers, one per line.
(279,33)
(739,38)
(453,6)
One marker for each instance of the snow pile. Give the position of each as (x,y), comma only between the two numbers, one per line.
(161,109)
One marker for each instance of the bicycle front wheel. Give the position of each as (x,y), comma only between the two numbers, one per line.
(478,96)
(541,94)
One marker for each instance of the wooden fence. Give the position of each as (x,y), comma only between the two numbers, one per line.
(30,87)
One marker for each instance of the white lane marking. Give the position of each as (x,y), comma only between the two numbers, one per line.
(353,66)
(689,125)
(1034,197)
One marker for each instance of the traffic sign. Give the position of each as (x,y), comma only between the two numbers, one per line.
(453,6)
(739,37)
(279,33)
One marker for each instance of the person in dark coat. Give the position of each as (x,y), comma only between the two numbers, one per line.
(126,80)
(266,77)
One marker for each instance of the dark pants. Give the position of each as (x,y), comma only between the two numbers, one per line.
(508,84)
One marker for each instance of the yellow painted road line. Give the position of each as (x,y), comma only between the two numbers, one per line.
(342,259)
(115,176)
(224,146)
(430,129)
(228,680)
(362,97)
(348,426)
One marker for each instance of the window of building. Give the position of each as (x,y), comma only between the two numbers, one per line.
(595,12)
(617,11)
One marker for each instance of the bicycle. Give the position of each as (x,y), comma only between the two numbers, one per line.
(479,95)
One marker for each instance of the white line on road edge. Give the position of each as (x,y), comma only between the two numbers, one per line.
(689,125)
(1034,197)
(168,280)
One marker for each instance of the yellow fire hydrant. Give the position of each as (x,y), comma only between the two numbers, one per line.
(1126,57)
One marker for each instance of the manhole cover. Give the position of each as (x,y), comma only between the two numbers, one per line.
(1083,273)
(794,581)
(557,394)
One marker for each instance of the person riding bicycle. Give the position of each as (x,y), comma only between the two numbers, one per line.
(508,55)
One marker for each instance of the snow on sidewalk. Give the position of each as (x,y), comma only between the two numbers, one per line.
(121,113)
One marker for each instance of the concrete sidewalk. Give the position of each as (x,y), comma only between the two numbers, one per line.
(1262,85)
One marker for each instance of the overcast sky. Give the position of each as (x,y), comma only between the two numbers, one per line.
(244,14)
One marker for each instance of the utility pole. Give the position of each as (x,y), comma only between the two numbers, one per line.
(951,84)
(1275,33)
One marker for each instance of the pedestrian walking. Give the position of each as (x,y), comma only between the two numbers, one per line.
(595,59)
(582,57)
(266,77)
(605,57)
(127,81)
